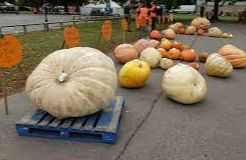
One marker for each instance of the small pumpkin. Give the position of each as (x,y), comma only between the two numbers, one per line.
(141,44)
(179,24)
(225,35)
(166,63)
(184,84)
(155,34)
(190,30)
(166,44)
(200,22)
(182,30)
(218,66)
(169,34)
(151,56)
(194,65)
(174,27)
(234,55)
(177,45)
(163,52)
(203,57)
(174,54)
(200,32)
(125,52)
(134,74)
(215,32)
(154,43)
(184,47)
(73,82)
(188,55)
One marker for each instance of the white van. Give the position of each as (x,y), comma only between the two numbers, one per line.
(185,9)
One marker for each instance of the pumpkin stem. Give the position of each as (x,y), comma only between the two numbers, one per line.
(62,77)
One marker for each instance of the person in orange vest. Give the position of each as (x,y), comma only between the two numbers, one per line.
(143,16)
(153,10)
(137,12)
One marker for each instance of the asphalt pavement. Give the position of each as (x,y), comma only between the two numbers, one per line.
(153,127)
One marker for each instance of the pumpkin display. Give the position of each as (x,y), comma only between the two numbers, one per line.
(10,51)
(182,30)
(151,56)
(194,65)
(234,55)
(163,52)
(190,30)
(188,55)
(125,52)
(218,66)
(141,44)
(73,82)
(177,45)
(174,54)
(134,74)
(169,34)
(166,44)
(200,32)
(154,43)
(215,32)
(174,27)
(155,34)
(184,84)
(166,63)
(200,22)
(71,37)
(203,57)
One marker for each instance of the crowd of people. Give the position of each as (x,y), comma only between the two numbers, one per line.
(144,15)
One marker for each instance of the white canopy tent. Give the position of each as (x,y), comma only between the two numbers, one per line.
(86,9)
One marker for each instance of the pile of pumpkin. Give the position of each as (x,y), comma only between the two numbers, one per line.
(136,71)
(199,26)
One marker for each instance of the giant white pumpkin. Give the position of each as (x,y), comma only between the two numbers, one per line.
(184,84)
(73,82)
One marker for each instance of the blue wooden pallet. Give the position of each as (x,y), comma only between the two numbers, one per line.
(99,127)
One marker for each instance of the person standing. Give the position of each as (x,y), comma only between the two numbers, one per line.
(127,13)
(143,19)
(153,16)
(202,9)
(159,13)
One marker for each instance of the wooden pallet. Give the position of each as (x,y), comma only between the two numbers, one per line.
(99,127)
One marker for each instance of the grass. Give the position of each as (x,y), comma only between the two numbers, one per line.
(190,16)
(37,45)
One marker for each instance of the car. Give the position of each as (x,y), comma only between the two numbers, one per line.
(7,7)
(184,9)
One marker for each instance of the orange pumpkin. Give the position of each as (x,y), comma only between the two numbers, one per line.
(10,51)
(71,37)
(182,30)
(188,55)
(155,34)
(141,44)
(194,65)
(125,52)
(163,52)
(184,47)
(174,54)
(200,32)
(177,45)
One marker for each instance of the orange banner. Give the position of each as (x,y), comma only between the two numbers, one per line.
(10,51)
(107,30)
(71,37)
(124,24)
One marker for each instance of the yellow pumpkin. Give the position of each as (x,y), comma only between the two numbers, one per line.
(166,44)
(134,74)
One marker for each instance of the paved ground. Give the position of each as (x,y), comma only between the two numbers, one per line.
(153,127)
(16,19)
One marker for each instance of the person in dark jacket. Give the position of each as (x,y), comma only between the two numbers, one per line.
(127,13)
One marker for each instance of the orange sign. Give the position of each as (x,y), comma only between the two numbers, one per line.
(10,51)
(107,30)
(71,37)
(124,24)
